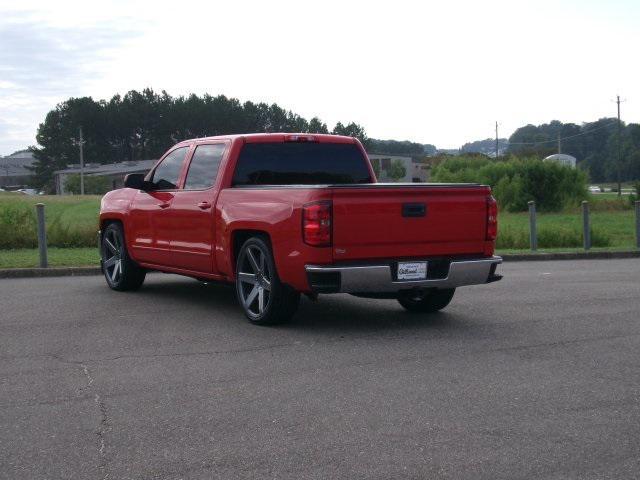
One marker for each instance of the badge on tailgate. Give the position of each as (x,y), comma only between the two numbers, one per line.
(412,270)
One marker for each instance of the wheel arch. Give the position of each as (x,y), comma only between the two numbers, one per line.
(105,222)
(238,237)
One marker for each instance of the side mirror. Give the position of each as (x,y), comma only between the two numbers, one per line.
(137,181)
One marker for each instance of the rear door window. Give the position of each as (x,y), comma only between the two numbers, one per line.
(203,169)
(293,163)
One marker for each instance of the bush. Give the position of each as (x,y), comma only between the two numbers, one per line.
(17,227)
(92,185)
(515,181)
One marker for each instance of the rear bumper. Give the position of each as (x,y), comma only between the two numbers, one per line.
(381,277)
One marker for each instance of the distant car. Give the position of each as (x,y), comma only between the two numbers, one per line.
(28,191)
(594,189)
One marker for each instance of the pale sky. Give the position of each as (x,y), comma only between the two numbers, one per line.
(432,72)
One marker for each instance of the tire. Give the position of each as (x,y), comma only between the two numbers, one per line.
(264,299)
(120,271)
(425,301)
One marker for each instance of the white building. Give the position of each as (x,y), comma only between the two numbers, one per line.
(562,159)
(14,170)
(414,172)
(115,172)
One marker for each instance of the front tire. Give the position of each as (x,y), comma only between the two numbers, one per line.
(264,299)
(120,271)
(425,301)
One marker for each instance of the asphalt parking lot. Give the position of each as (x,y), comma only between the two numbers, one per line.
(537,376)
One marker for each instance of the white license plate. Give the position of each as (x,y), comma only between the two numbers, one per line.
(412,271)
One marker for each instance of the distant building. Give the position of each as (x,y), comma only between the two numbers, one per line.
(414,172)
(115,172)
(14,171)
(562,159)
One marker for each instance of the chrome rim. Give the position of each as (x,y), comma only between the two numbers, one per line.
(254,281)
(112,253)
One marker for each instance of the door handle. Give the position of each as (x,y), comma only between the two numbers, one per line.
(163,205)
(204,205)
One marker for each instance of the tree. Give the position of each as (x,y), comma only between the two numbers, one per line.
(395,147)
(352,130)
(317,126)
(396,170)
(93,185)
(142,125)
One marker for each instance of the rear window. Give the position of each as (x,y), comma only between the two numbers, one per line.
(300,164)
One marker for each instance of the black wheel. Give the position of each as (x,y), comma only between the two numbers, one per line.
(425,301)
(264,299)
(120,271)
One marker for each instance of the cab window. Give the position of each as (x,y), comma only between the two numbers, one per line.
(165,176)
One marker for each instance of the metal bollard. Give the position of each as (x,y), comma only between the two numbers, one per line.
(637,203)
(42,235)
(586,228)
(533,233)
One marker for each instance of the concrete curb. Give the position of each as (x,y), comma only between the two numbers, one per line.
(49,272)
(526,257)
(520,257)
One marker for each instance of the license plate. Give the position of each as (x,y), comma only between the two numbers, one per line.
(412,271)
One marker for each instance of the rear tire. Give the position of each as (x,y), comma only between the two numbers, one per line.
(120,271)
(425,301)
(264,299)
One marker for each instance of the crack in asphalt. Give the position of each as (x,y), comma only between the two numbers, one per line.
(103,427)
(81,363)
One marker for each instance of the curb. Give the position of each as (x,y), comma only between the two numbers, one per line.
(49,272)
(532,257)
(520,257)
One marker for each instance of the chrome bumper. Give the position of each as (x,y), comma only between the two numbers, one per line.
(381,278)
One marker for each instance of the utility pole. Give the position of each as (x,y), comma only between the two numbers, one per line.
(496,139)
(559,143)
(619,140)
(81,143)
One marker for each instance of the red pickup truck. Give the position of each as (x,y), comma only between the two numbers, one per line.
(284,214)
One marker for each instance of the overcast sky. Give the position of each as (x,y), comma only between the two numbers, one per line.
(433,72)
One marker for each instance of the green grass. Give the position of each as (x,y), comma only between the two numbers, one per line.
(57,257)
(616,228)
(72,223)
(81,209)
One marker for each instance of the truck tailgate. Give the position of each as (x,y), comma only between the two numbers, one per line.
(410,220)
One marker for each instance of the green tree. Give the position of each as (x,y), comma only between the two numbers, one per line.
(93,185)
(142,125)
(352,130)
(396,171)
(317,126)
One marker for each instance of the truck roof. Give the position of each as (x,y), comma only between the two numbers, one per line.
(275,137)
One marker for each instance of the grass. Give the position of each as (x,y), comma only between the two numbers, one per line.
(57,257)
(72,223)
(614,229)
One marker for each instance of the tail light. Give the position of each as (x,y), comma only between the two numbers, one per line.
(316,224)
(492,218)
